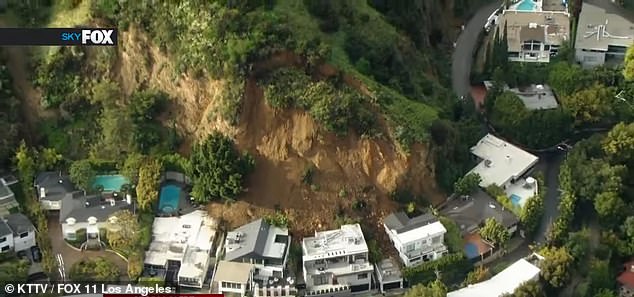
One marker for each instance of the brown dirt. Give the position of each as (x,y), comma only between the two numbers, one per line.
(285,144)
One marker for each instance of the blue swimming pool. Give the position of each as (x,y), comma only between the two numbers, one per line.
(526,5)
(168,199)
(471,250)
(110,183)
(516,200)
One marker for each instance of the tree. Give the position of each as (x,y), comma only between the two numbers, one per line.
(578,244)
(131,165)
(98,269)
(628,227)
(531,213)
(566,78)
(628,64)
(434,289)
(135,265)
(606,293)
(123,233)
(82,174)
(25,162)
(529,289)
(618,145)
(217,169)
(149,179)
(555,268)
(494,232)
(600,275)
(610,207)
(453,237)
(47,158)
(479,274)
(590,105)
(467,184)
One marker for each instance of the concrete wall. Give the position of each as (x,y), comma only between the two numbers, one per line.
(589,59)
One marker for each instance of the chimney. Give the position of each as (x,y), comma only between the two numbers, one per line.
(42,192)
(128,198)
(632,268)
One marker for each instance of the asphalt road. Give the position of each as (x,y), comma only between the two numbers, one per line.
(467,43)
(551,199)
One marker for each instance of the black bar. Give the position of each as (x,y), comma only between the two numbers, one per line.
(59,36)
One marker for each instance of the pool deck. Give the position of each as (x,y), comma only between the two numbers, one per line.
(184,205)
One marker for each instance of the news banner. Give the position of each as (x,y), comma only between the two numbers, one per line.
(58,36)
(96,290)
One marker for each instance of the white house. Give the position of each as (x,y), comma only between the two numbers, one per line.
(417,239)
(505,165)
(17,233)
(336,261)
(90,213)
(603,36)
(504,282)
(184,242)
(233,278)
(534,36)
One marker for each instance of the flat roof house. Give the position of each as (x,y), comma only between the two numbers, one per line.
(389,276)
(336,262)
(17,233)
(534,36)
(181,248)
(232,278)
(505,165)
(469,212)
(603,35)
(534,96)
(502,283)
(51,187)
(417,239)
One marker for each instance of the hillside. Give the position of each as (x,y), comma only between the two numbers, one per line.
(372,77)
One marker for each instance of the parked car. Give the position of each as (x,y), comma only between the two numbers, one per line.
(37,255)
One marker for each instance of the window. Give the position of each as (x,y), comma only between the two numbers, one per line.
(5,248)
(321,279)
(436,240)
(71,235)
(409,248)
(25,234)
(3,239)
(362,276)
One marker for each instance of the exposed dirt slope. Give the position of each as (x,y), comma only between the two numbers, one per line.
(285,144)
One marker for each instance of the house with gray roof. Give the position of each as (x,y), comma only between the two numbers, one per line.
(52,187)
(89,212)
(389,276)
(7,198)
(417,239)
(262,244)
(604,33)
(17,233)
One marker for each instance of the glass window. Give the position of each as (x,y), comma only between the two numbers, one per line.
(362,276)
(3,239)
(409,247)
(436,240)
(5,248)
(25,234)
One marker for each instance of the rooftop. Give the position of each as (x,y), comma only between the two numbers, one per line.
(549,27)
(54,185)
(184,239)
(19,223)
(626,278)
(389,270)
(600,27)
(536,96)
(257,239)
(347,240)
(234,272)
(502,283)
(4,229)
(410,229)
(469,212)
(82,207)
(5,191)
(501,161)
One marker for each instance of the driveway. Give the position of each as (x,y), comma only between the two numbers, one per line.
(467,42)
(552,163)
(71,256)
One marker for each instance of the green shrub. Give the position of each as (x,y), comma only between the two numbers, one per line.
(454,268)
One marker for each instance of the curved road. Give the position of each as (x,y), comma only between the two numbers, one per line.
(467,43)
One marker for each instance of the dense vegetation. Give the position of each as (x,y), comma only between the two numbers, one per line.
(9,117)
(97,269)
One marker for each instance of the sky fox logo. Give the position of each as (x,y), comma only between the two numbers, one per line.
(106,37)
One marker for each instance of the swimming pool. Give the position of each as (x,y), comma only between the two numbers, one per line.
(526,5)
(516,200)
(471,250)
(168,198)
(110,183)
